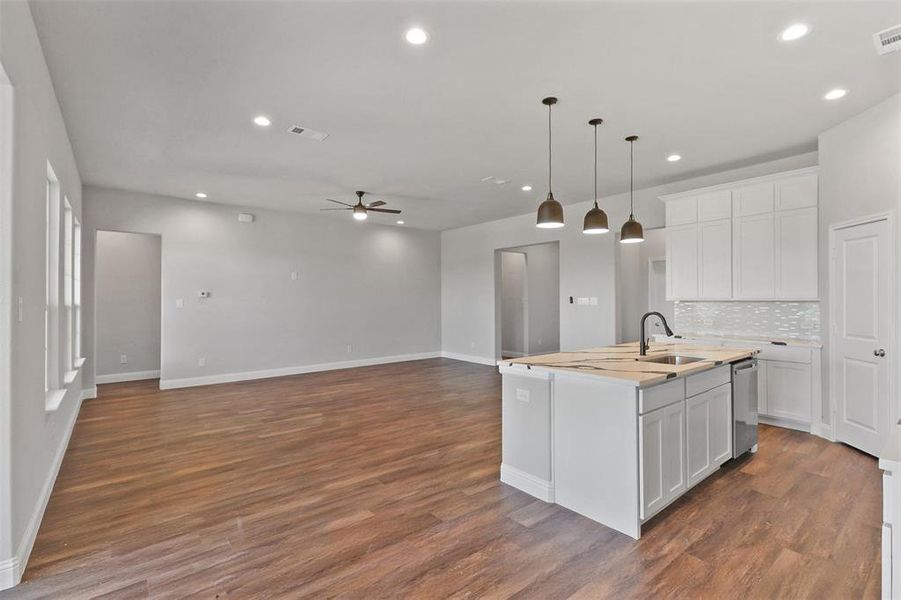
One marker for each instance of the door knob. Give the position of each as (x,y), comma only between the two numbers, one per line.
(880,352)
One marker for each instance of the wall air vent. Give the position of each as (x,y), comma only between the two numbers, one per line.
(888,40)
(306,132)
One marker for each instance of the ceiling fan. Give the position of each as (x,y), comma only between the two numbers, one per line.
(361,209)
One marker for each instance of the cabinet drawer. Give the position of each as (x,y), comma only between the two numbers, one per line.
(652,398)
(695,384)
(785,354)
(887,494)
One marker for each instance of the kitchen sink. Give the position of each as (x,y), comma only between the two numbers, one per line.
(672,359)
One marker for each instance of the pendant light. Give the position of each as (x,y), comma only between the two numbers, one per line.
(595,219)
(632,232)
(550,212)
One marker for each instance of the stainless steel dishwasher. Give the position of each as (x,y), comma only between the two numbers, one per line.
(744,407)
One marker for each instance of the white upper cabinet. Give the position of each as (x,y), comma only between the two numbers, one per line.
(751,240)
(753,258)
(796,192)
(682,211)
(796,253)
(752,200)
(715,251)
(715,206)
(682,262)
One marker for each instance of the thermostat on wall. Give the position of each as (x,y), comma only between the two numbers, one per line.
(245,217)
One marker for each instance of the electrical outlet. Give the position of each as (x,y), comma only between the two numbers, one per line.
(293,275)
(472,345)
(123,359)
(350,348)
(201,362)
(522,395)
(179,303)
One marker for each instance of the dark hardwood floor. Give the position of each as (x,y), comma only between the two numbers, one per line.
(383,482)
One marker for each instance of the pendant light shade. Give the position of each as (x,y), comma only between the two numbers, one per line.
(550,212)
(595,219)
(632,232)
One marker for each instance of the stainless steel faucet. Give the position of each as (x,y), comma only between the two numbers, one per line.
(642,342)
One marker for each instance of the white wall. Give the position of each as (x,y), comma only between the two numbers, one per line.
(375,288)
(860,175)
(540,328)
(513,298)
(127,284)
(587,266)
(32,438)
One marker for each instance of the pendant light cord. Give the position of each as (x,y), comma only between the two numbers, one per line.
(549,162)
(631,168)
(595,166)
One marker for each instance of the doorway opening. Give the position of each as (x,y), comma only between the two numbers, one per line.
(641,285)
(527,300)
(127,292)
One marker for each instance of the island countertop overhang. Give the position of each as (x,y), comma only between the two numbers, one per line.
(623,363)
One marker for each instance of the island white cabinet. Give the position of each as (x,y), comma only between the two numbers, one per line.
(749,240)
(787,390)
(890,463)
(662,440)
(708,418)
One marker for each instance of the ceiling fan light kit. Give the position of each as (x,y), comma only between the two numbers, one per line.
(361,211)
(550,212)
(595,219)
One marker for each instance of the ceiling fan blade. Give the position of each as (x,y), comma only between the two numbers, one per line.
(376,203)
(385,210)
(349,208)
(339,202)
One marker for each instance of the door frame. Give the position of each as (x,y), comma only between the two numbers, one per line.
(499,333)
(894,409)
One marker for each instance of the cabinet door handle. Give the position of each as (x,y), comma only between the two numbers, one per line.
(880,353)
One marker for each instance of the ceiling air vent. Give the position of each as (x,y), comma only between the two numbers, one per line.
(888,40)
(308,133)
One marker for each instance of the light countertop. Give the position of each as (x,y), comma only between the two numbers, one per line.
(623,363)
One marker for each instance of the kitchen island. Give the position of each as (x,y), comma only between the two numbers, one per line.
(613,435)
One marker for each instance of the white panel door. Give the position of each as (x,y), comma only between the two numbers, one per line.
(796,254)
(674,481)
(715,263)
(682,262)
(697,437)
(862,291)
(650,429)
(753,258)
(720,424)
(788,390)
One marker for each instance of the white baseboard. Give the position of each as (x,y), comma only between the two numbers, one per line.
(534,486)
(481,360)
(11,570)
(786,423)
(822,430)
(133,376)
(169,384)
(89,393)
(512,353)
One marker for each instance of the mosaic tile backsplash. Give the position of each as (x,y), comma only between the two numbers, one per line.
(779,320)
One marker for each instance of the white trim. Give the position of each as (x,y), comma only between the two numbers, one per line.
(89,393)
(889,218)
(133,376)
(8,311)
(520,370)
(513,354)
(53,399)
(785,423)
(481,360)
(169,384)
(79,362)
(740,183)
(528,483)
(15,566)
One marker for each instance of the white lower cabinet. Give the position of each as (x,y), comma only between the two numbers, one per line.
(788,390)
(708,418)
(662,457)
(683,443)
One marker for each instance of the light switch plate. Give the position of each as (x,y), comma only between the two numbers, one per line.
(180,303)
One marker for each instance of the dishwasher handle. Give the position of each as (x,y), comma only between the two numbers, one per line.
(749,368)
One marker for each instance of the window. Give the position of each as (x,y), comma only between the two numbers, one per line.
(51,285)
(76,289)
(68,295)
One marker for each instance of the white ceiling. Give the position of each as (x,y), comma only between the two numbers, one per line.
(159,96)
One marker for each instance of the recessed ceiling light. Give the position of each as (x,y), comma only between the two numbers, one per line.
(794,32)
(835,94)
(262,120)
(526,188)
(416,36)
(673,157)
(200,195)
(400,222)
